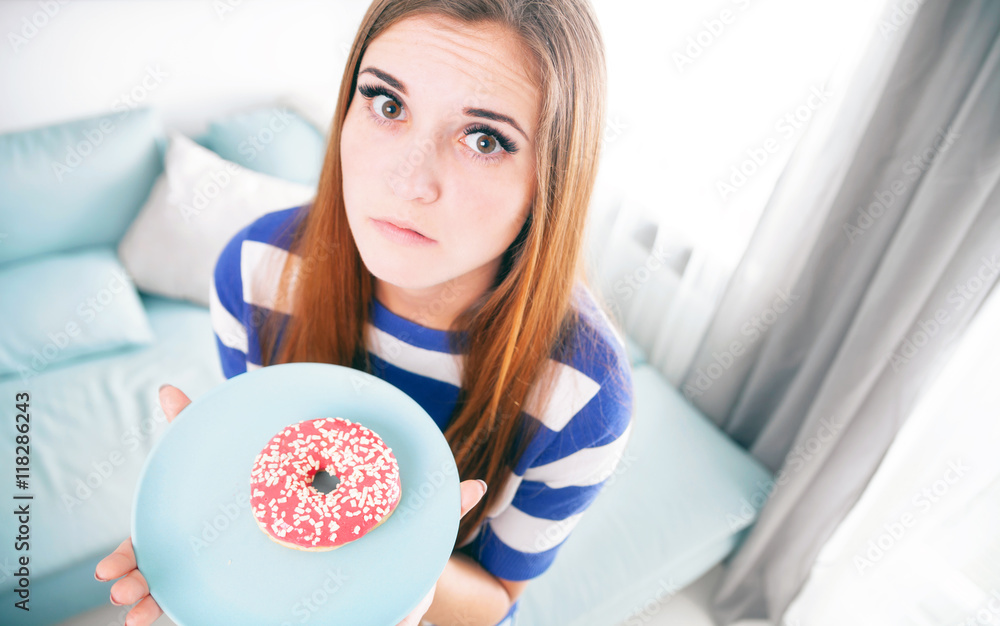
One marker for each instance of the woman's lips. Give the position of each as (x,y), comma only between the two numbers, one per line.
(400,235)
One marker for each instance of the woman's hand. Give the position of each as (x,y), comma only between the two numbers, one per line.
(133,588)
(472,492)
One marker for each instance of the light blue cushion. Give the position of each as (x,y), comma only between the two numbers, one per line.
(92,427)
(203,140)
(76,184)
(680,500)
(67,305)
(274,141)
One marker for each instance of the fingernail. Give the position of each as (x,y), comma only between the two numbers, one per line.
(96,577)
(484,485)
(113,601)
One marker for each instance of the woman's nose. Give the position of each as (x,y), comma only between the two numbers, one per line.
(415,177)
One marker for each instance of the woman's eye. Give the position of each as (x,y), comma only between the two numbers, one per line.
(387,107)
(487,143)
(483,143)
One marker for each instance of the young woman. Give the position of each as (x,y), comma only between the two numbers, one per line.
(443,253)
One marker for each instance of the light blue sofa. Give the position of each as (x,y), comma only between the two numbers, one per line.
(679,503)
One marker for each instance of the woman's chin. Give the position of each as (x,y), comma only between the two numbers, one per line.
(408,277)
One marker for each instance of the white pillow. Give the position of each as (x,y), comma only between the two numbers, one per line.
(196,206)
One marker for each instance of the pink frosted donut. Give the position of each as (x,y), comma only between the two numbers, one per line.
(294,513)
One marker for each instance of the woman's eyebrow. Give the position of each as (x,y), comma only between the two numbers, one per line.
(387,77)
(471,112)
(493,115)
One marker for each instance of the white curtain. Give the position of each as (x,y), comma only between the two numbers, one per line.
(922,545)
(887,240)
(706,106)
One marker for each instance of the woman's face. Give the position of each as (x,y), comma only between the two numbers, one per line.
(440,136)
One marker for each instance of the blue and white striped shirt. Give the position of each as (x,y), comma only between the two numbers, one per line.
(583,429)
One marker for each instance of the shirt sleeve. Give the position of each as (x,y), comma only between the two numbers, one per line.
(522,541)
(227,308)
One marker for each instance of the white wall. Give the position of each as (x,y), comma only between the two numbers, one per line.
(674,129)
(88,56)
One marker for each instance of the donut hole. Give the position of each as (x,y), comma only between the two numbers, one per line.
(325,482)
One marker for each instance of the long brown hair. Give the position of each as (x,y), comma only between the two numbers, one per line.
(512,330)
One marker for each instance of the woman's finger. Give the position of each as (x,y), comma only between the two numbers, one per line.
(144,613)
(130,589)
(118,563)
(173,401)
(472,492)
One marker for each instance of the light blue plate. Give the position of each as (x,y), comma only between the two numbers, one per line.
(198,545)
